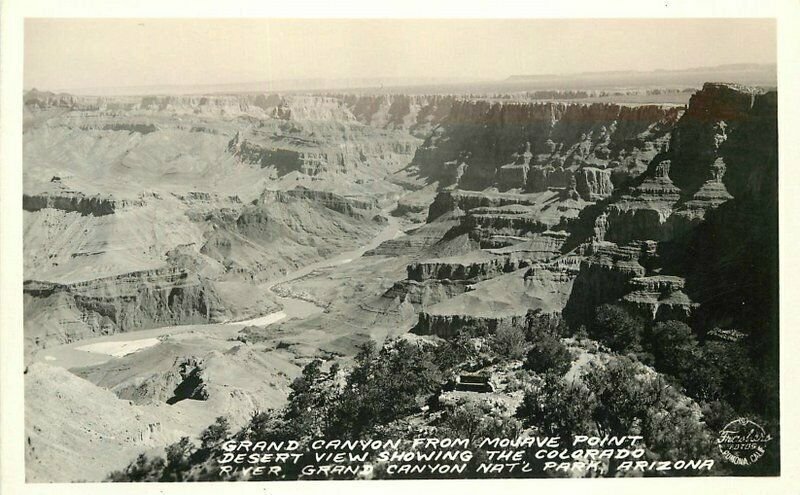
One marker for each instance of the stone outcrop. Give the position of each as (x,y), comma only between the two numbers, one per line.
(451,199)
(542,246)
(643,213)
(535,146)
(351,206)
(426,293)
(603,278)
(330,150)
(615,189)
(184,379)
(594,183)
(102,306)
(78,202)
(418,114)
(190,381)
(474,268)
(675,199)
(495,220)
(660,298)
(446,326)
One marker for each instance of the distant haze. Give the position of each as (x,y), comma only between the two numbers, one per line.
(87,55)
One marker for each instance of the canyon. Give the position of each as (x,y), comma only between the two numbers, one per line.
(187,219)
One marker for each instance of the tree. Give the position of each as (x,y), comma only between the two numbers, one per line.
(548,354)
(622,397)
(616,328)
(309,401)
(717,414)
(725,372)
(178,460)
(631,400)
(464,421)
(477,421)
(215,433)
(142,469)
(558,407)
(509,342)
(674,347)
(382,387)
(454,352)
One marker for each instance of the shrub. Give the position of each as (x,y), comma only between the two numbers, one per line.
(215,433)
(474,422)
(616,328)
(674,348)
(548,354)
(630,399)
(178,460)
(558,407)
(509,342)
(382,387)
(725,372)
(142,469)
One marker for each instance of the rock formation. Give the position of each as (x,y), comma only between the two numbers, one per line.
(533,146)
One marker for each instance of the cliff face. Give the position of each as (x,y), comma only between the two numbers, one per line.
(314,148)
(203,256)
(496,220)
(533,146)
(61,313)
(300,216)
(418,114)
(622,192)
(364,206)
(713,192)
(74,201)
(594,183)
(730,141)
(463,268)
(604,278)
(119,192)
(508,300)
(640,196)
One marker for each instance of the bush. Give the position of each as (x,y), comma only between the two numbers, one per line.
(142,469)
(725,372)
(382,387)
(674,348)
(558,407)
(178,460)
(616,328)
(215,433)
(455,352)
(630,399)
(474,422)
(548,354)
(537,324)
(509,342)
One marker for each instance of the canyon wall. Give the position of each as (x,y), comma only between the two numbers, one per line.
(533,146)
(636,195)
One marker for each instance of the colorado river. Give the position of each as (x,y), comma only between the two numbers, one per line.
(97,350)
(299,308)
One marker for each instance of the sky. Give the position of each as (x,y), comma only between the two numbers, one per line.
(68,54)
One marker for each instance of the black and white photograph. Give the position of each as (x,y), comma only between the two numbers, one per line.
(282,250)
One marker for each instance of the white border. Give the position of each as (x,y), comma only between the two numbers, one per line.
(11,341)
